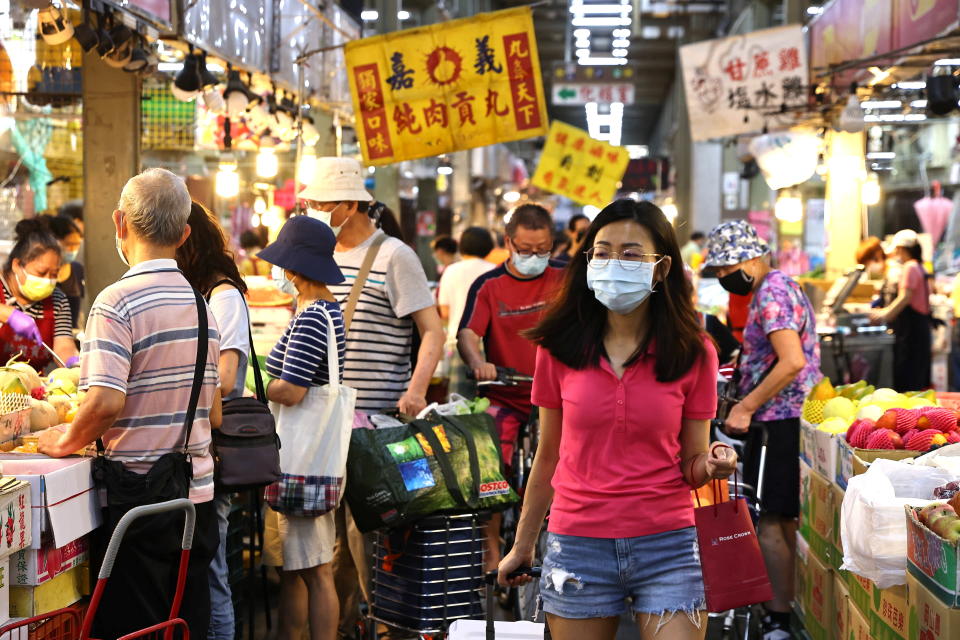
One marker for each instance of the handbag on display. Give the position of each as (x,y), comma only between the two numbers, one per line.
(734,572)
(169,477)
(317,434)
(246,447)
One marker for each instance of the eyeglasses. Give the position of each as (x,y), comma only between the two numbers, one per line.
(527,254)
(629,259)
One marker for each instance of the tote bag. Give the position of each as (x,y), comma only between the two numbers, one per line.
(316,437)
(734,573)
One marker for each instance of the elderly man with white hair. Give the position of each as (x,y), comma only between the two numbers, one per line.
(149,366)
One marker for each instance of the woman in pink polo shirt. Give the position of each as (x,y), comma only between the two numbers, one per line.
(626,385)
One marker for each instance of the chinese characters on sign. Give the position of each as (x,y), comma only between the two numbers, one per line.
(564,93)
(457,85)
(736,85)
(576,166)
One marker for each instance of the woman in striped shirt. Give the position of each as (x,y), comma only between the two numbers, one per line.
(303,546)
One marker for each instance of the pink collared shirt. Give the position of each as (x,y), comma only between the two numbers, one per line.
(619,471)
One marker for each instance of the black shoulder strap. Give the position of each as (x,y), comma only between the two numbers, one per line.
(203,338)
(257,376)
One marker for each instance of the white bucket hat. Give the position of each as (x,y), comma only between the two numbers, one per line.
(336,180)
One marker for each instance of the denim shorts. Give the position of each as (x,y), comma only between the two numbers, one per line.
(594,577)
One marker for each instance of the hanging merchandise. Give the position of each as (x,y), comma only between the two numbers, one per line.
(30,139)
(54,25)
(851,118)
(934,212)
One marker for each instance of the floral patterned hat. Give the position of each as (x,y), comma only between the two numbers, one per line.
(733,242)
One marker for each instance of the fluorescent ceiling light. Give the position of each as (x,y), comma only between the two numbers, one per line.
(620,42)
(915,117)
(675,32)
(894,117)
(601,61)
(444,170)
(403,15)
(619,53)
(583,52)
(911,85)
(621,33)
(581,9)
(369,15)
(881,155)
(581,21)
(637,151)
(948,62)
(919,104)
(174,67)
(881,104)
(581,33)
(583,44)
(814,11)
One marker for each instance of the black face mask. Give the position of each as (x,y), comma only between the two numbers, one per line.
(737,282)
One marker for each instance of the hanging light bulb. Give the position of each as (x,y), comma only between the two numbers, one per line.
(259,206)
(311,136)
(669,209)
(227,184)
(789,207)
(870,190)
(308,164)
(268,164)
(255,220)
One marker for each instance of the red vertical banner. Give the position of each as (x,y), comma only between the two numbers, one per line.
(523,86)
(373,111)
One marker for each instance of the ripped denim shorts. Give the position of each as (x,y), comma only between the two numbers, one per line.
(594,577)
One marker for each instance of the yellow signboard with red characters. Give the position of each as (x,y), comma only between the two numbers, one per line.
(445,87)
(575,165)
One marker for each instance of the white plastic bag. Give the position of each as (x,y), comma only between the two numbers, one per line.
(477,630)
(450,408)
(947,458)
(873,528)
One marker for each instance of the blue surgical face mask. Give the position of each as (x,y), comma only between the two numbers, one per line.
(531,265)
(621,290)
(70,256)
(281,282)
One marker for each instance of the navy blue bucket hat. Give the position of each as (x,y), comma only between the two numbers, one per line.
(305,246)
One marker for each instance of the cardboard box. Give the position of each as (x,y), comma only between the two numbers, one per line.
(806,441)
(932,561)
(930,618)
(886,610)
(4,595)
(859,624)
(853,462)
(33,567)
(836,544)
(841,607)
(825,453)
(63,591)
(817,514)
(64,503)
(15,515)
(819,618)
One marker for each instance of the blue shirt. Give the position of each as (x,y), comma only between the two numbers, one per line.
(300,357)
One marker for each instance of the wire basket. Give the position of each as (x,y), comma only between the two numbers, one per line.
(14,416)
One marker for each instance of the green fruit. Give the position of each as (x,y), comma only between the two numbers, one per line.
(840,407)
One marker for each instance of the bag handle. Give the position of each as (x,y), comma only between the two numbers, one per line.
(446,469)
(261,392)
(715,485)
(361,280)
(472,455)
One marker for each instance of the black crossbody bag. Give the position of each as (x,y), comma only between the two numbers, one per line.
(169,477)
(246,447)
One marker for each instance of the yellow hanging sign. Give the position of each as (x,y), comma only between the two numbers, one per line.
(575,165)
(446,87)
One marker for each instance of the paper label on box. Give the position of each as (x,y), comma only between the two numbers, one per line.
(32,567)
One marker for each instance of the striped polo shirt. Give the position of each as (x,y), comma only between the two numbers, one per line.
(381,333)
(141,339)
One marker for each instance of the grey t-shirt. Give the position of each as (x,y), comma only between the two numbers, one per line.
(381,334)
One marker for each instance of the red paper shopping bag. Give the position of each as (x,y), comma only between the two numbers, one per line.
(734,573)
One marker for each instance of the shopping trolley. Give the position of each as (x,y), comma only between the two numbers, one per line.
(67,621)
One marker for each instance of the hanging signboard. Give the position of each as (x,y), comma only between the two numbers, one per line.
(575,165)
(236,31)
(158,12)
(733,85)
(456,85)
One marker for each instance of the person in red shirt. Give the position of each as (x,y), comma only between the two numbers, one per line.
(502,304)
(626,385)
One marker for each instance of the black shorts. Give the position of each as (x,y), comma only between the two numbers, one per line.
(781,478)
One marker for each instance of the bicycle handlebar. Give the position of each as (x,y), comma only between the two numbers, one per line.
(506,377)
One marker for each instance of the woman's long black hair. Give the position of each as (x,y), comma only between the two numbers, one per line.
(204,257)
(573,327)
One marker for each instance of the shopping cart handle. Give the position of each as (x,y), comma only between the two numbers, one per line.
(140,512)
(533,572)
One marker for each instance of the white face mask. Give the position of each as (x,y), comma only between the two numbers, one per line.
(618,289)
(119,244)
(532,265)
(325,217)
(281,282)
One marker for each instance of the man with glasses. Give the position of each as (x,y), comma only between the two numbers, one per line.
(501,305)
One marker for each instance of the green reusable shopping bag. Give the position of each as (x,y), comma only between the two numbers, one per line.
(442,464)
